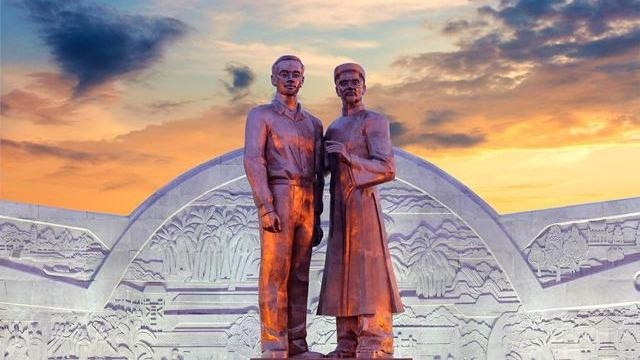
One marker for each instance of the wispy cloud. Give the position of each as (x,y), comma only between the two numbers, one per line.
(168,106)
(40,150)
(461,26)
(337,14)
(96,44)
(19,102)
(437,117)
(76,152)
(355,44)
(253,54)
(44,108)
(129,166)
(450,140)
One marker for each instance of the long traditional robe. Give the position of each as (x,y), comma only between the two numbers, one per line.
(358,276)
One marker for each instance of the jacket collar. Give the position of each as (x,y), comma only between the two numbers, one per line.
(281,109)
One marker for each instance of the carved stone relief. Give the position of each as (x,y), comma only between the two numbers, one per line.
(443,258)
(211,247)
(563,252)
(612,333)
(21,340)
(214,240)
(190,291)
(49,249)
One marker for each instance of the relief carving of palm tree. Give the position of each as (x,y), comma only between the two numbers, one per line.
(176,243)
(431,266)
(206,248)
(226,246)
(133,340)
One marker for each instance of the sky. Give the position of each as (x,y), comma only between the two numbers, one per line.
(530,103)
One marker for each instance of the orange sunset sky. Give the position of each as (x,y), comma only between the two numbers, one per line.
(531,103)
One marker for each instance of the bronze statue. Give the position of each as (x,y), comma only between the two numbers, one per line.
(358,285)
(283,159)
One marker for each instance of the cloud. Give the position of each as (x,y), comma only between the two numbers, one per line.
(35,149)
(354,44)
(167,106)
(96,154)
(129,167)
(553,30)
(43,108)
(533,33)
(338,14)
(437,117)
(96,44)
(242,77)
(20,102)
(253,54)
(537,74)
(457,27)
(397,129)
(451,140)
(42,101)
(559,17)
(118,185)
(402,136)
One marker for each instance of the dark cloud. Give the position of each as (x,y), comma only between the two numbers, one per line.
(96,44)
(437,117)
(546,29)
(609,46)
(401,136)
(455,27)
(65,151)
(241,79)
(619,68)
(397,129)
(534,33)
(450,140)
(524,13)
(598,16)
(36,149)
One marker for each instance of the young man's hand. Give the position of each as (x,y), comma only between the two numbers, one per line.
(271,222)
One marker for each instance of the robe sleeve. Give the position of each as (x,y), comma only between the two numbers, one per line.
(379,166)
(255,163)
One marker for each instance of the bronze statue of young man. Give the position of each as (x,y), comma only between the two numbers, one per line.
(283,159)
(358,285)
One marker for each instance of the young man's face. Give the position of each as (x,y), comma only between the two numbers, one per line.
(288,78)
(350,87)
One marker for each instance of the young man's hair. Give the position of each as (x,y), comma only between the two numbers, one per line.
(274,67)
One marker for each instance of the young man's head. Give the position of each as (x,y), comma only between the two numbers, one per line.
(287,75)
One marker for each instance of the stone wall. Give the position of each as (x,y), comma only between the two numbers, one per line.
(178,277)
